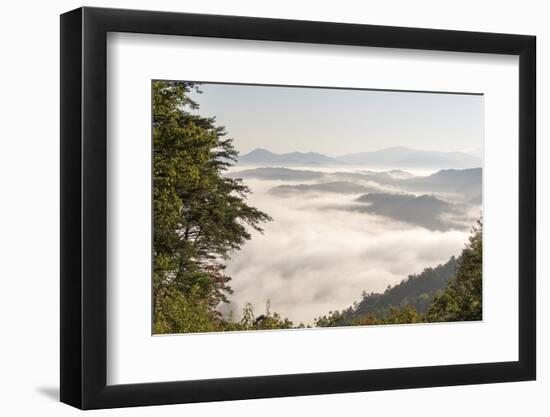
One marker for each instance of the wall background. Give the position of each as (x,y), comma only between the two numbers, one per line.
(29,220)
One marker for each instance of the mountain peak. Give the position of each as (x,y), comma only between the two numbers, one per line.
(260,151)
(263,156)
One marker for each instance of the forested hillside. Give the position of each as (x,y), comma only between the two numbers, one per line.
(448,292)
(416,291)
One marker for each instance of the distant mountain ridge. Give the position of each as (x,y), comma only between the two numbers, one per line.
(460,185)
(338,187)
(265,157)
(403,157)
(464,182)
(424,210)
(395,157)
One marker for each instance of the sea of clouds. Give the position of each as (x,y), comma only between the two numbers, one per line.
(315,257)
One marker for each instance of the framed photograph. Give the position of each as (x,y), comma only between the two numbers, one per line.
(258,208)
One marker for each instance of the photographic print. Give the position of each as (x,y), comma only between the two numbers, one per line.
(284,207)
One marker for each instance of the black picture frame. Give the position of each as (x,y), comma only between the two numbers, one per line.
(84,207)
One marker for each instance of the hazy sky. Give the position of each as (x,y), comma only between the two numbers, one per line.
(337,121)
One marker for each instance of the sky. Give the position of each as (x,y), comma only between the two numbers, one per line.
(335,122)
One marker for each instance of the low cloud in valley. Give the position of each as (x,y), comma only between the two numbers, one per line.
(317,255)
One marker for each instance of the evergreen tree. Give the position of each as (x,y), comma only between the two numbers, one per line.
(200,216)
(462,298)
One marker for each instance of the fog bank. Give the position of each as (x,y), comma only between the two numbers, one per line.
(315,257)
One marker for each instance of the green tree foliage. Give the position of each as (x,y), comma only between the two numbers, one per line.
(417,290)
(249,321)
(393,315)
(200,215)
(184,313)
(448,292)
(414,292)
(332,319)
(461,300)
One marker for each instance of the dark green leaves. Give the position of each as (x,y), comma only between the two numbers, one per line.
(200,216)
(449,292)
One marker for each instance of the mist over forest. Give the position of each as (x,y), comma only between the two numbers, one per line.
(264,240)
(341,230)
